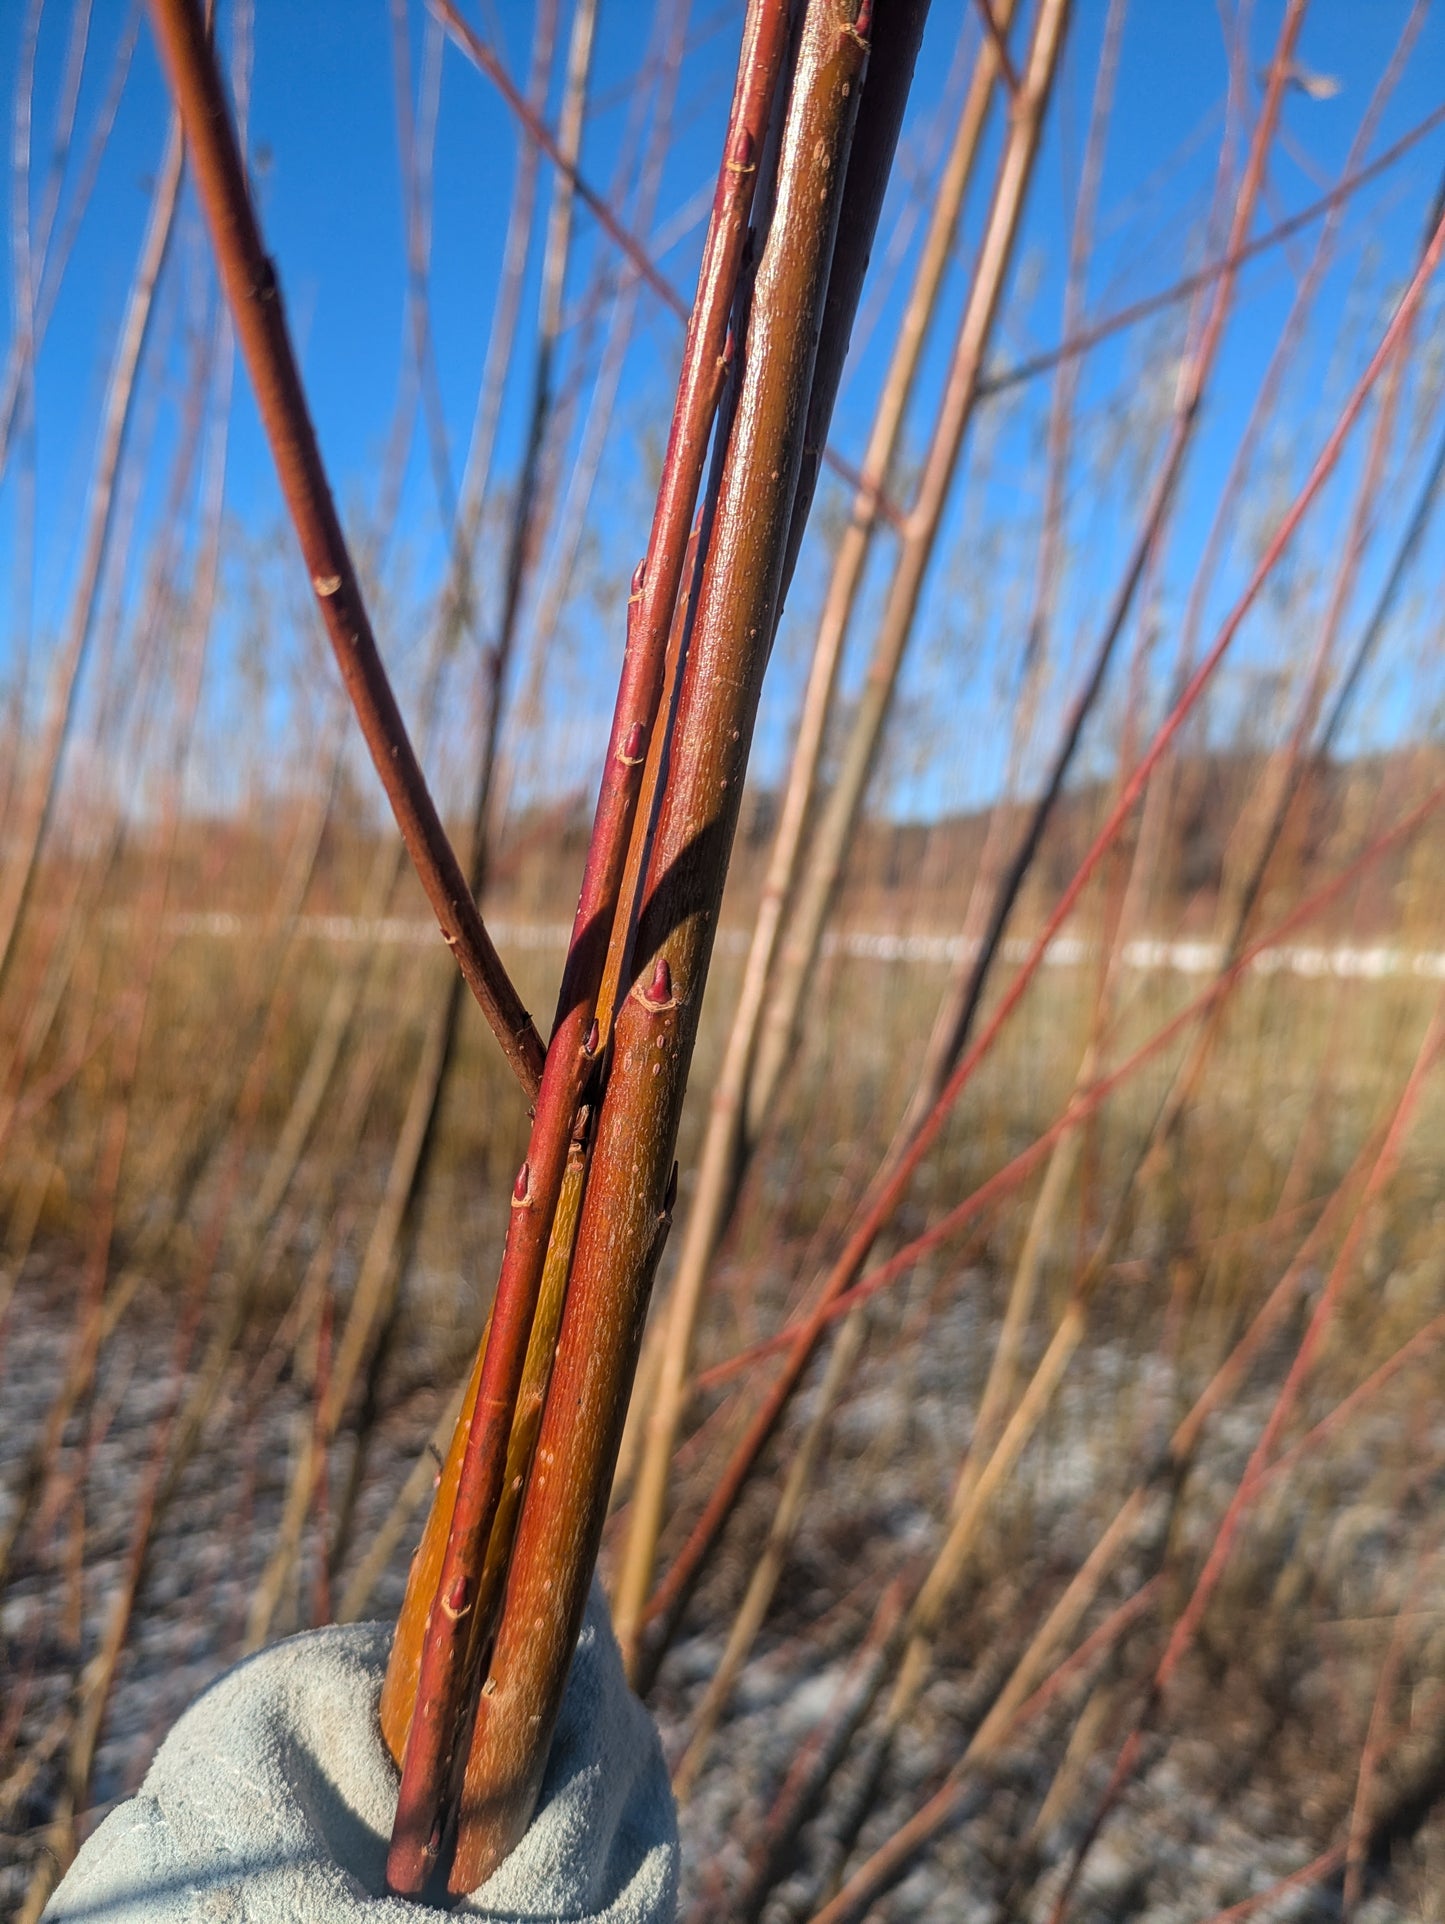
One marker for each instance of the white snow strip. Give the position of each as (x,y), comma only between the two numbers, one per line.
(1145,954)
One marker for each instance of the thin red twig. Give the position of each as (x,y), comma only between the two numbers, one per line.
(250,284)
(1074,345)
(1084,1105)
(1325,1865)
(1187,1624)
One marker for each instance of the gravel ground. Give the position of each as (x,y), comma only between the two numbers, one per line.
(1250,1781)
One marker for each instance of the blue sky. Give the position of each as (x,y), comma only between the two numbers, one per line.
(323,130)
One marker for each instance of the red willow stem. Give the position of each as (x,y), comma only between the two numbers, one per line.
(1084,1105)
(1073,346)
(452,1636)
(1417,1345)
(485,59)
(249,280)
(1315,1872)
(672,1593)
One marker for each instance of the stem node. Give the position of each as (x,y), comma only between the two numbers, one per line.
(658,994)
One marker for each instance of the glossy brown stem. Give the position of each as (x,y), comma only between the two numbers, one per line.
(726,1147)
(628,1200)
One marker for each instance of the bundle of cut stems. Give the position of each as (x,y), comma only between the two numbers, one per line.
(816,111)
(772,405)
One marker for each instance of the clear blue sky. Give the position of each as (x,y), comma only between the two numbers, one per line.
(323,129)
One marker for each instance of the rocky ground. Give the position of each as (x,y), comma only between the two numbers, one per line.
(1249,1777)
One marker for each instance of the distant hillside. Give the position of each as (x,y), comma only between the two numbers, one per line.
(901,874)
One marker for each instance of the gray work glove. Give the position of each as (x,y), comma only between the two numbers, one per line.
(271,1802)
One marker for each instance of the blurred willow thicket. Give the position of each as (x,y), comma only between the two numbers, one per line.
(1031,1499)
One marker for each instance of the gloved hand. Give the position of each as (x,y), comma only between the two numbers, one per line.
(271,1802)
